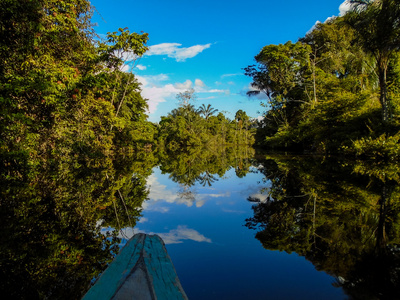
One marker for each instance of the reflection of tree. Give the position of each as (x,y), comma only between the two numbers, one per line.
(187,195)
(203,164)
(344,222)
(206,179)
(51,246)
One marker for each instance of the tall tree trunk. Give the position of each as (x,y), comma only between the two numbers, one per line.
(383,65)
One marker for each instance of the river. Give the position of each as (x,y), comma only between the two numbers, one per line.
(237,225)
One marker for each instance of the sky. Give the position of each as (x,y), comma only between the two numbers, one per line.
(205,45)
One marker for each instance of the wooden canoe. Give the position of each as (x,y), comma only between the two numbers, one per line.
(142,270)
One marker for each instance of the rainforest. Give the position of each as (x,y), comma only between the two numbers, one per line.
(317,175)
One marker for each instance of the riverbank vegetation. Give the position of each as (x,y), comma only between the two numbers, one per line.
(336,90)
(62,89)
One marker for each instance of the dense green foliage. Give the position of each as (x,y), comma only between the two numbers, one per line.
(327,93)
(61,90)
(76,146)
(186,127)
(66,110)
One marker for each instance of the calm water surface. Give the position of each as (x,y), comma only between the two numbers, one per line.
(216,256)
(236,225)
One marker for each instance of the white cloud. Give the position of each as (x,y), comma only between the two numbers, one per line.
(163,49)
(207,98)
(231,75)
(174,50)
(219,91)
(199,83)
(152,80)
(344,7)
(184,86)
(141,67)
(155,91)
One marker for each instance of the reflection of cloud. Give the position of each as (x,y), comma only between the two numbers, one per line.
(261,197)
(178,235)
(174,50)
(233,211)
(226,194)
(159,194)
(174,236)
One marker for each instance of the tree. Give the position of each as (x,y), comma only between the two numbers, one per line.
(186,98)
(206,111)
(281,72)
(59,87)
(377,24)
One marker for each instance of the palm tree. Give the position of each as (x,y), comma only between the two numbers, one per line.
(377,24)
(206,111)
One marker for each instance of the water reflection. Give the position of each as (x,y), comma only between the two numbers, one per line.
(342,216)
(178,235)
(50,214)
(63,220)
(204,165)
(63,217)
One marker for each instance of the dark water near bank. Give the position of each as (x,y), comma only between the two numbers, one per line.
(237,225)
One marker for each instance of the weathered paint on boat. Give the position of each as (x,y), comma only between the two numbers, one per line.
(142,270)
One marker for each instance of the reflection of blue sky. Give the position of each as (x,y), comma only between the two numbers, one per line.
(172,193)
(173,236)
(227,192)
(178,235)
(215,255)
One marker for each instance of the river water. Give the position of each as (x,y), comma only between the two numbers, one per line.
(216,256)
(237,225)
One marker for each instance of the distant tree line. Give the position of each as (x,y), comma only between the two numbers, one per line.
(187,126)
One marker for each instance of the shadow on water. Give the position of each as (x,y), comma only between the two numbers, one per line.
(50,211)
(55,212)
(342,216)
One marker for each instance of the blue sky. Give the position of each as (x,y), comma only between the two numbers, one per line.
(206,44)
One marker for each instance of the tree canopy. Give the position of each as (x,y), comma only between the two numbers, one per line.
(327,94)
